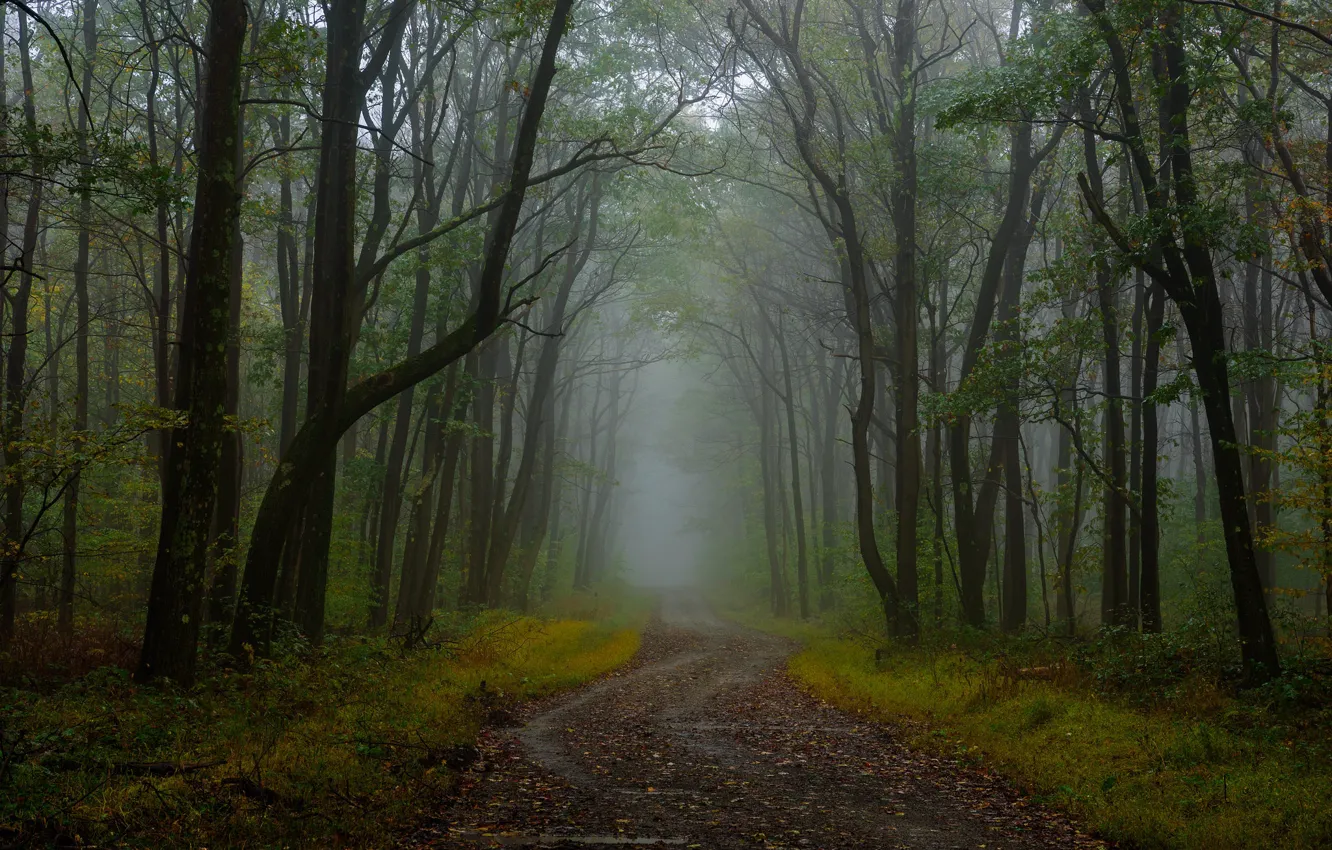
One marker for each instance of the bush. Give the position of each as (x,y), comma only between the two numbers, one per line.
(39,656)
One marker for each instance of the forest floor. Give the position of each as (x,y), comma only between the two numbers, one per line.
(336,747)
(1143,739)
(706,742)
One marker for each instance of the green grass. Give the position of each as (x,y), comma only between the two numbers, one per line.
(344,748)
(1204,771)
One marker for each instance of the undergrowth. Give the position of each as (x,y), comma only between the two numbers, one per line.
(340,747)
(1141,737)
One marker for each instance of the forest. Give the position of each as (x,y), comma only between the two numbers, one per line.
(342,341)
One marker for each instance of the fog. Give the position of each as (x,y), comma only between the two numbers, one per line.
(661,502)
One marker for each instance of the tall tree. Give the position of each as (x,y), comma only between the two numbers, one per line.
(313,447)
(1188,276)
(175,604)
(69,565)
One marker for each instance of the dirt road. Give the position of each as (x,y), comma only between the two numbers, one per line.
(706,743)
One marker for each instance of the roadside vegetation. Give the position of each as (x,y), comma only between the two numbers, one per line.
(1139,736)
(340,745)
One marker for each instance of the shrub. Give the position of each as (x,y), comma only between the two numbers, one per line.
(40,656)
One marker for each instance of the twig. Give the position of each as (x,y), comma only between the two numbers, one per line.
(134,768)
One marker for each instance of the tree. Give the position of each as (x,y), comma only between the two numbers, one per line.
(175,604)
(311,450)
(1186,273)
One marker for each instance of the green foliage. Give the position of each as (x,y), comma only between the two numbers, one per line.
(525,18)
(1040,77)
(1153,669)
(285,50)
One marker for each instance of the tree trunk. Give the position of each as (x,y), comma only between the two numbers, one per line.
(175,603)
(68,572)
(331,313)
(536,514)
(439,533)
(768,457)
(291,299)
(484,485)
(1007,443)
(1150,592)
(69,524)
(543,382)
(12,545)
(394,473)
(1114,575)
(802,559)
(1265,421)
(907,317)
(973,513)
(507,395)
(555,538)
(1199,470)
(581,572)
(161,301)
(828,471)
(226,523)
(1135,441)
(938,380)
(482,461)
(1260,392)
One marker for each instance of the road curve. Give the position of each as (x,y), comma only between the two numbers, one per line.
(705,742)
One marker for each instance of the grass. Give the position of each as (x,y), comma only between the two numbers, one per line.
(1201,771)
(343,748)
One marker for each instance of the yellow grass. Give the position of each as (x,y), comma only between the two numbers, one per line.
(1183,778)
(347,749)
